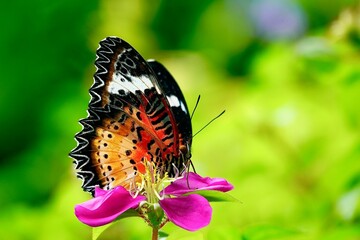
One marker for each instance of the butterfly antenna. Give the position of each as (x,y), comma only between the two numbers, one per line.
(192,166)
(196,105)
(209,123)
(189,165)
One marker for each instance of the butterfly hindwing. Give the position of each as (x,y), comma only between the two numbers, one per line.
(175,99)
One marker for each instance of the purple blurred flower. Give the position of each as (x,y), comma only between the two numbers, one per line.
(179,201)
(277,19)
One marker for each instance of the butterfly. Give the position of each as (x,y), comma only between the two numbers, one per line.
(136,113)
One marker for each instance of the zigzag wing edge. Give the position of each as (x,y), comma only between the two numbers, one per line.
(79,153)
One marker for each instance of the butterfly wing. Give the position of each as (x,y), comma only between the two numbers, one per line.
(176,101)
(130,120)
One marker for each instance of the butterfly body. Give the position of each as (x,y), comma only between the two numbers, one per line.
(137,113)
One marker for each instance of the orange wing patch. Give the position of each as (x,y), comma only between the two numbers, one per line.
(117,152)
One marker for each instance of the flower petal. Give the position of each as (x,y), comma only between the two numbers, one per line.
(105,207)
(192,182)
(189,212)
(99,191)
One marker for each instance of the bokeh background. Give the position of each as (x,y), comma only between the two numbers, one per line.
(287,72)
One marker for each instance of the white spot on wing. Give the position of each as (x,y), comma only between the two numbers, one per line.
(137,83)
(175,102)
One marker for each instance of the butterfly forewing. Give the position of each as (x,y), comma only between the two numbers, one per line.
(131,119)
(176,101)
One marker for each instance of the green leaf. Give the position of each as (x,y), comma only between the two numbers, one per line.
(215,196)
(97,231)
(163,235)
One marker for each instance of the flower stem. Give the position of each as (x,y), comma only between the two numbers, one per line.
(155,234)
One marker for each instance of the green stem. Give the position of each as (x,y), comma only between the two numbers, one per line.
(155,234)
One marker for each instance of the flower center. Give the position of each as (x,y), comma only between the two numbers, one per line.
(151,186)
(152,183)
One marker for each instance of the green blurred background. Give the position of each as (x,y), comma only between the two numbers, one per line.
(287,73)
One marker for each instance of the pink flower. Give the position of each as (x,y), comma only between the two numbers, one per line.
(106,206)
(179,201)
